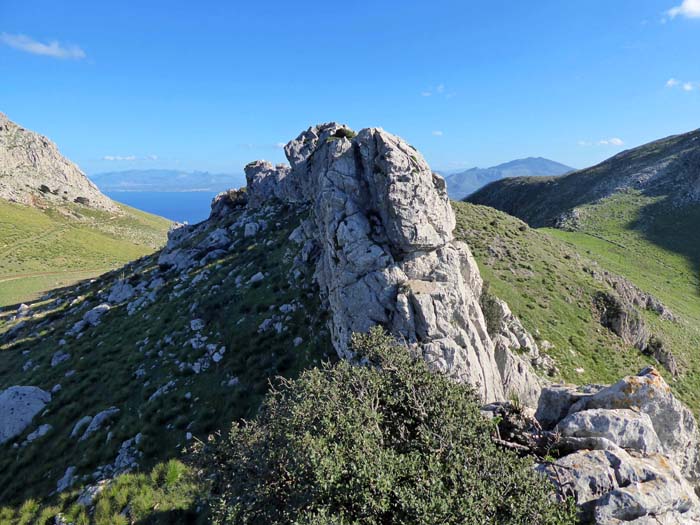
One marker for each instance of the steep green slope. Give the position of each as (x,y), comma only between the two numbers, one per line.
(657,248)
(190,351)
(550,281)
(41,249)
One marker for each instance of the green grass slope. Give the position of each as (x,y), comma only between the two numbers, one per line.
(41,249)
(546,276)
(657,247)
(663,168)
(141,360)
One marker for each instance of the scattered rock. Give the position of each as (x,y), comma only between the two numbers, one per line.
(18,406)
(93,316)
(39,432)
(66,481)
(121,291)
(97,422)
(58,358)
(196,325)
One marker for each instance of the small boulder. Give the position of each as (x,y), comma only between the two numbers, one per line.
(97,422)
(66,481)
(59,357)
(93,315)
(18,406)
(626,428)
(120,292)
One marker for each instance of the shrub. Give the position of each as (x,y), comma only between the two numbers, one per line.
(389,442)
(491,309)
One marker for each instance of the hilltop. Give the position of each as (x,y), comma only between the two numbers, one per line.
(56,227)
(119,374)
(464,183)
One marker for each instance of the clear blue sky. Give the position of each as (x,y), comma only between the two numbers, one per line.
(212,85)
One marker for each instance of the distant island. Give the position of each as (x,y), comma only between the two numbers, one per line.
(165,180)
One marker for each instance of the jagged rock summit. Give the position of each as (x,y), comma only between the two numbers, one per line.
(33,171)
(380,236)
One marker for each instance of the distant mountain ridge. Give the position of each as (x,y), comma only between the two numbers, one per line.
(166,180)
(464,183)
(667,167)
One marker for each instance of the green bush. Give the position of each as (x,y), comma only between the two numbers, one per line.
(390,442)
(491,309)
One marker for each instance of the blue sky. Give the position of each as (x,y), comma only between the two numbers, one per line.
(212,85)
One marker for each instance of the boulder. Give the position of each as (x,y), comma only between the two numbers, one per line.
(67,480)
(59,357)
(93,315)
(96,422)
(18,406)
(556,400)
(612,487)
(121,291)
(626,428)
(39,432)
(673,422)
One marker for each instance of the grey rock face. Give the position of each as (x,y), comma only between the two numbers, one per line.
(32,170)
(381,240)
(18,406)
(614,487)
(556,401)
(630,451)
(626,428)
(673,422)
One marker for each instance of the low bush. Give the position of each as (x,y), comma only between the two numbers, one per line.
(387,442)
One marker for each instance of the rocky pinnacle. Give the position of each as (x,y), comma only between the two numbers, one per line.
(381,230)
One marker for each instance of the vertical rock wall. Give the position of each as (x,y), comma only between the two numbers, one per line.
(382,228)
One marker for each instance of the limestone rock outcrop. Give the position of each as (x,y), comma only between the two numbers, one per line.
(630,451)
(33,171)
(380,236)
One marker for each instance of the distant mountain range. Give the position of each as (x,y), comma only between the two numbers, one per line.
(464,183)
(666,168)
(166,180)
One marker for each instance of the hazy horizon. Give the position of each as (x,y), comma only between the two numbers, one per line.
(468,83)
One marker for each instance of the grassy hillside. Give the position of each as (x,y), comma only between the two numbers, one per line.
(663,168)
(546,278)
(41,249)
(657,247)
(144,359)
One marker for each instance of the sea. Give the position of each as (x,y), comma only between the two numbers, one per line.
(181,206)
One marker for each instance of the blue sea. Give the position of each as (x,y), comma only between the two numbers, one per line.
(180,206)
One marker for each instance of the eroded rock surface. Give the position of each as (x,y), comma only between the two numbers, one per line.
(630,451)
(380,237)
(32,170)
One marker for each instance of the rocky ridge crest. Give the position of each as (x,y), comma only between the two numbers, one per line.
(32,171)
(381,239)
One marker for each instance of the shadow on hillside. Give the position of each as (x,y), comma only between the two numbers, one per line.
(675,229)
(173,517)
